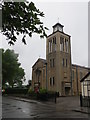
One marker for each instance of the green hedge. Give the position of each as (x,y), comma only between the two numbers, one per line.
(43,94)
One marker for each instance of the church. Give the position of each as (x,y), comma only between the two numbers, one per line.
(57,73)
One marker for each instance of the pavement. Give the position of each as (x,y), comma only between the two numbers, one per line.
(83,110)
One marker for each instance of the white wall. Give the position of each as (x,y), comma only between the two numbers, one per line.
(85,89)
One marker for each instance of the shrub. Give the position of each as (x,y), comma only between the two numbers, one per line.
(30,91)
(42,91)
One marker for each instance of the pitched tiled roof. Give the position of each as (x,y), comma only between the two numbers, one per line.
(58,24)
(75,65)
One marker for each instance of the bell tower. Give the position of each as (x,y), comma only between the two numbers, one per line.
(58,55)
(58,27)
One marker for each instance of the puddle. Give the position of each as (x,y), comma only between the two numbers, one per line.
(13,106)
(19,108)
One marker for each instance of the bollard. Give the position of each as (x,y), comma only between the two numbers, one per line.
(81,100)
(55,97)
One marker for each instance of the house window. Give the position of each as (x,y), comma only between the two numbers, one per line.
(72,74)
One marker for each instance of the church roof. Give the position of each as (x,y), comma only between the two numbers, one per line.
(40,59)
(85,77)
(75,65)
(58,24)
(59,32)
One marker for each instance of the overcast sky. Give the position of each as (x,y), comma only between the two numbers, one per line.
(74,17)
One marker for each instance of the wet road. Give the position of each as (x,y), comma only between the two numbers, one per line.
(64,108)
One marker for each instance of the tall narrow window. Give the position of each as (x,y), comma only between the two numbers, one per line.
(61,44)
(55,43)
(50,81)
(81,75)
(66,62)
(53,62)
(63,62)
(53,81)
(43,74)
(67,45)
(50,62)
(72,74)
(60,47)
(53,39)
(55,47)
(49,46)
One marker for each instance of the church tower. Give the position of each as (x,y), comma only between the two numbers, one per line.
(58,56)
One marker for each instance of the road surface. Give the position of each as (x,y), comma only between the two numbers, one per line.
(12,108)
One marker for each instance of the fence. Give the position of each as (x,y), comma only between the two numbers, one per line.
(84,101)
(16,91)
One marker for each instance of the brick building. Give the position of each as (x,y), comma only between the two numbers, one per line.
(57,73)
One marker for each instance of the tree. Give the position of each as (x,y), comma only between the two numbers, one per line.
(21,18)
(12,73)
(29,84)
(19,77)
